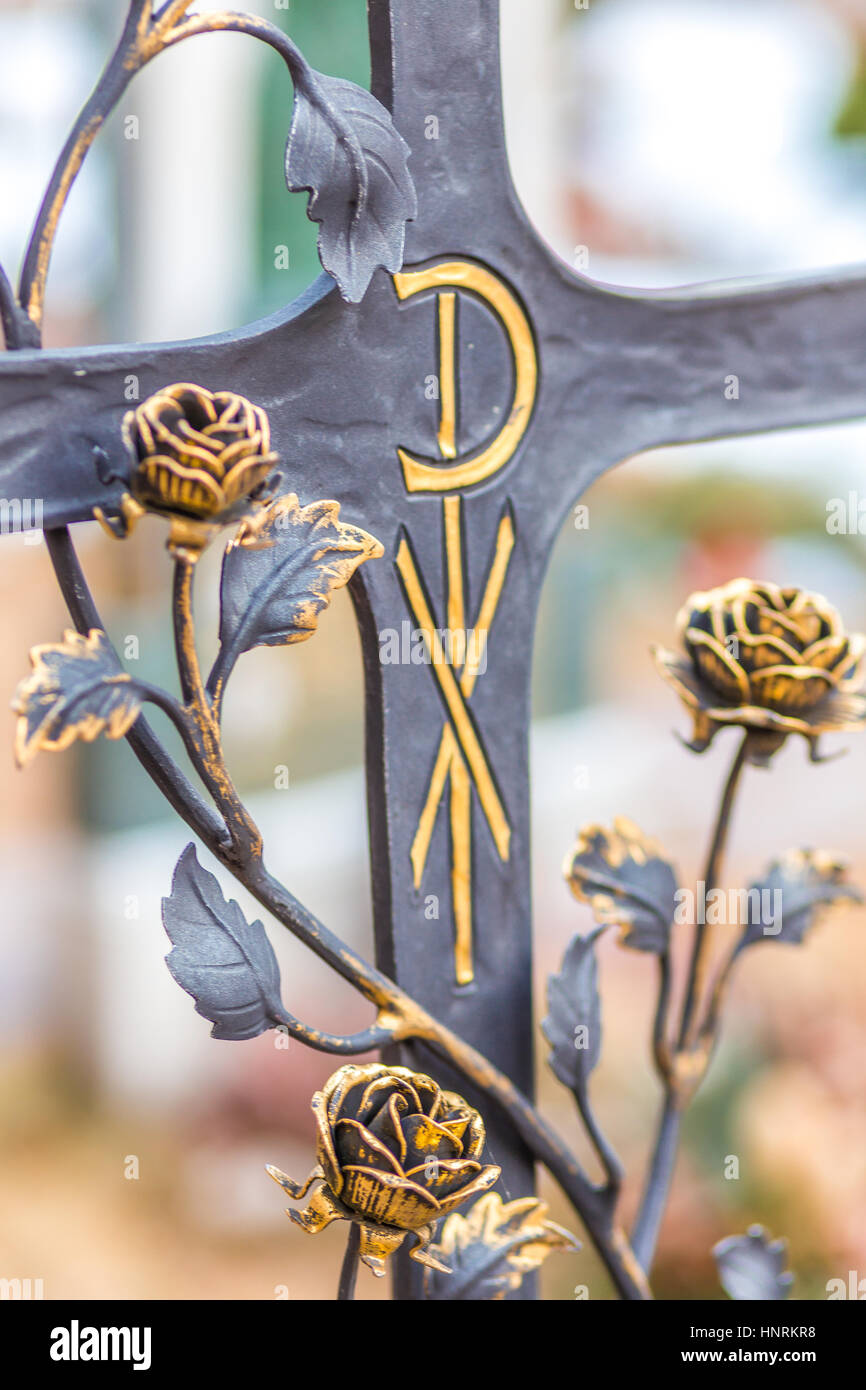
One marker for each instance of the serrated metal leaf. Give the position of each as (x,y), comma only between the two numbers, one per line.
(574,1013)
(489,1251)
(355,170)
(76,690)
(625,878)
(753,1266)
(281,571)
(794,892)
(225,962)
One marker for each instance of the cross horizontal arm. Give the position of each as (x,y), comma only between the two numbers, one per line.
(722,360)
(61,411)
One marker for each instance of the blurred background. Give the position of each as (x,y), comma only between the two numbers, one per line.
(652,145)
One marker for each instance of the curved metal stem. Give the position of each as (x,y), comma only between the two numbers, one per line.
(702,941)
(349,1270)
(661,1045)
(207,753)
(350,1045)
(683,1073)
(18,330)
(303,76)
(645,1234)
(144,36)
(8,306)
(608,1157)
(121,67)
(177,789)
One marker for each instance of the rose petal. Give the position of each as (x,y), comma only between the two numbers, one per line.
(802,602)
(171,485)
(245,477)
(705,620)
(485,1179)
(377,1245)
(233,450)
(194,401)
(377,1093)
(837,714)
(320,1211)
(444,1176)
(757,717)
(464,1123)
(681,675)
(827,653)
(476,1138)
(339,1090)
(426,1138)
(421,1255)
(849,672)
(790,689)
(428,1093)
(717,666)
(356,1145)
(387,1199)
(756,652)
(386,1125)
(325,1151)
(194,436)
(752,617)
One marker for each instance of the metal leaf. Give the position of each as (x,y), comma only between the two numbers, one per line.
(280,573)
(77,689)
(225,962)
(574,1003)
(627,882)
(490,1251)
(793,894)
(753,1267)
(343,148)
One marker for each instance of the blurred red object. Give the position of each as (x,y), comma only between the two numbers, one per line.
(713,559)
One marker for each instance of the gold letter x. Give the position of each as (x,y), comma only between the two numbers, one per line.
(460,755)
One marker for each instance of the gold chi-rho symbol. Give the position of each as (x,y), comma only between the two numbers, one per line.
(461,762)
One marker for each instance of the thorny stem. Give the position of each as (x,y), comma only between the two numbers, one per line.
(349,1270)
(683,1073)
(400,1019)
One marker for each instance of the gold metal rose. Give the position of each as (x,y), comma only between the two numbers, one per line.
(201,458)
(774,661)
(395,1153)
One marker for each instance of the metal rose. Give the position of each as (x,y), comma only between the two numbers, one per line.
(775,661)
(395,1153)
(200,457)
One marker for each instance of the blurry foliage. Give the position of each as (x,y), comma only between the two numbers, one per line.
(334,39)
(851,120)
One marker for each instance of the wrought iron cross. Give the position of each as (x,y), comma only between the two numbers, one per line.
(545,380)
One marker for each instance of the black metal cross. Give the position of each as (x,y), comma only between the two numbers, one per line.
(545,380)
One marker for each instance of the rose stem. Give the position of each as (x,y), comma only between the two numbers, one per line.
(349,1271)
(681,1085)
(700,947)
